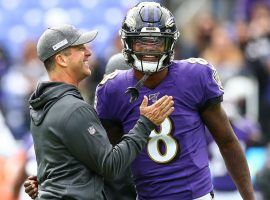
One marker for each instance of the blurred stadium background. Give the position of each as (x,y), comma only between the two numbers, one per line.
(234,35)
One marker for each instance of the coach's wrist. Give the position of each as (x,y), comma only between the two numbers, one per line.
(148,124)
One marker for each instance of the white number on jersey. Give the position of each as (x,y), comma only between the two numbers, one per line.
(214,73)
(197,60)
(108,77)
(164,136)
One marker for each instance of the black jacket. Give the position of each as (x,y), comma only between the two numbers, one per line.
(72,149)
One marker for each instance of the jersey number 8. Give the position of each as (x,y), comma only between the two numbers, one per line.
(164,136)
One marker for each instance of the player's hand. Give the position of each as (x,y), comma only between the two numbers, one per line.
(31,186)
(158,111)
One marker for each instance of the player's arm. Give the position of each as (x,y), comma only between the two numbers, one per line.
(218,124)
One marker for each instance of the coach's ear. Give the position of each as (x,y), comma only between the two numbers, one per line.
(61,59)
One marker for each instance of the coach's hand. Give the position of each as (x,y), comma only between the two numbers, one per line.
(158,111)
(31,186)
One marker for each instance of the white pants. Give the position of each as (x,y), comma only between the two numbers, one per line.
(232,195)
(205,197)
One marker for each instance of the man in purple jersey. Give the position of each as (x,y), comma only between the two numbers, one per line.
(174,165)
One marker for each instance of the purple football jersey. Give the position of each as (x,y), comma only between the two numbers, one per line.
(174,164)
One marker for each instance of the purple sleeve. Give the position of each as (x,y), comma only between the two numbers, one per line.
(107,96)
(211,85)
(101,103)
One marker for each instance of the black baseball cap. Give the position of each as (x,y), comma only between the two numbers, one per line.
(58,38)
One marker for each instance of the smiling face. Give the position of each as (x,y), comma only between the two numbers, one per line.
(78,65)
(149,48)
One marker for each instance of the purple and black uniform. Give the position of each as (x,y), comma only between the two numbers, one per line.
(174,165)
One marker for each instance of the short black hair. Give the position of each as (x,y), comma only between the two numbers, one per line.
(49,63)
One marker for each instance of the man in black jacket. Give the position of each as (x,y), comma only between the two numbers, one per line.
(73,152)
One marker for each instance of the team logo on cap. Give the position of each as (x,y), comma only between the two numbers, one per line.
(59,44)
